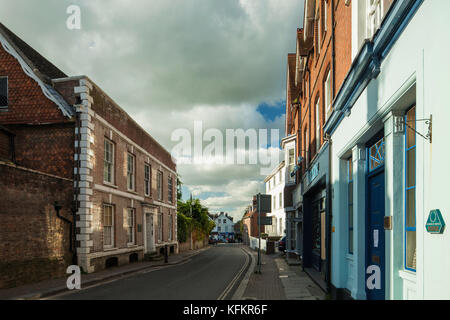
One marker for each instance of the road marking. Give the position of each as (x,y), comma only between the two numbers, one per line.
(235,279)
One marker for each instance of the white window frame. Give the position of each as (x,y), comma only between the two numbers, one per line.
(131,226)
(327,90)
(280,200)
(108,246)
(7,92)
(147,179)
(325,15)
(108,163)
(131,175)
(291,164)
(374,15)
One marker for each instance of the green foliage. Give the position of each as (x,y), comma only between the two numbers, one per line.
(184,225)
(179,184)
(193,216)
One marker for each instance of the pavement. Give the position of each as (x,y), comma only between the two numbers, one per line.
(56,286)
(278,281)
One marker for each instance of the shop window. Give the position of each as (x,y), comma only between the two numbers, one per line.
(410,190)
(376,155)
(350,204)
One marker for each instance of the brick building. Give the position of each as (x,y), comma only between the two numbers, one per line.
(314,73)
(250,222)
(67,130)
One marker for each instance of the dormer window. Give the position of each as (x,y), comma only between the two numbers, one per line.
(3,92)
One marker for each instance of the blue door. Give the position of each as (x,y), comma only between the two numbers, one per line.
(375,231)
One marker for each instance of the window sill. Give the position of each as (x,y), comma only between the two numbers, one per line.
(407,275)
(107,249)
(132,245)
(111,185)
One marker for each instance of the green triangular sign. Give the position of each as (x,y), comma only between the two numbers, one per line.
(435,223)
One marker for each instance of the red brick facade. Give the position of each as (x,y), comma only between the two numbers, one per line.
(308,71)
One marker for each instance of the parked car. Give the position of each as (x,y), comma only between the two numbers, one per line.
(212,240)
(282,245)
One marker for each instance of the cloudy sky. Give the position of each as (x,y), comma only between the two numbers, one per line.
(170,63)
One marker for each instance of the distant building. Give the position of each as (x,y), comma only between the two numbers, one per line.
(224,228)
(275,184)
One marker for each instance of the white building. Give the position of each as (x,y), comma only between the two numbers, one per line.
(275,184)
(224,226)
(390,153)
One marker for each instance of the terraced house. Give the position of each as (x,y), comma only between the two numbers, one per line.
(122,181)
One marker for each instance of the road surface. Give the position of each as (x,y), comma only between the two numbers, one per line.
(213,274)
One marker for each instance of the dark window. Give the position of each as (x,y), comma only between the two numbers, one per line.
(170,187)
(3,92)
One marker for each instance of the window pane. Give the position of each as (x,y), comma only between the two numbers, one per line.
(350,239)
(350,193)
(411,250)
(3,92)
(411,208)
(107,236)
(411,168)
(350,216)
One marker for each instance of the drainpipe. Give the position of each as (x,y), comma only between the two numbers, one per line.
(333,49)
(330,146)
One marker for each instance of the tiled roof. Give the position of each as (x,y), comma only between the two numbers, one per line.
(40,65)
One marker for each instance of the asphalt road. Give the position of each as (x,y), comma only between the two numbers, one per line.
(204,277)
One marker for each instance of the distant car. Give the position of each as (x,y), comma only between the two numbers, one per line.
(212,240)
(282,245)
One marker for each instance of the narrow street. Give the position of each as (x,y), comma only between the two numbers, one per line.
(204,277)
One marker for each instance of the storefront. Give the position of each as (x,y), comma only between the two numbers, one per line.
(316,219)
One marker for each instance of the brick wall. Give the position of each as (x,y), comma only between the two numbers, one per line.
(47,148)
(34,243)
(5,145)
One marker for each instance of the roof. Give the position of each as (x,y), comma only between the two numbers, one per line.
(36,67)
(44,69)
(275,171)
